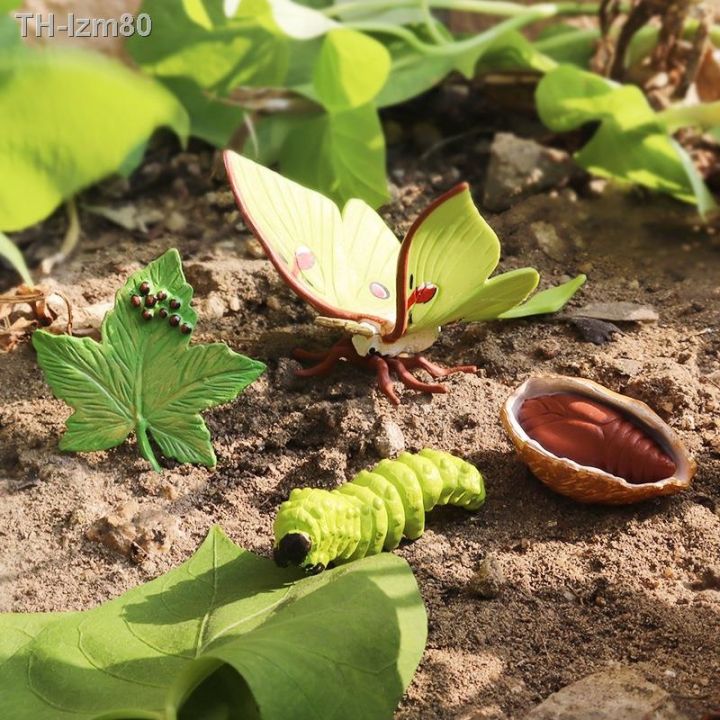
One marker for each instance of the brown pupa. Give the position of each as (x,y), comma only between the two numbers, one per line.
(592,444)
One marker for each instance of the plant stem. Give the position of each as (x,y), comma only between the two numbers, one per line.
(460,46)
(706,115)
(144,444)
(430,23)
(485,7)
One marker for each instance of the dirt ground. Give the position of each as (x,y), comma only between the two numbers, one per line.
(585,587)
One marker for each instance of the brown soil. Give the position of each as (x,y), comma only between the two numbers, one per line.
(585,586)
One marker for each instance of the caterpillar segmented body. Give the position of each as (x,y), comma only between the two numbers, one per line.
(373,511)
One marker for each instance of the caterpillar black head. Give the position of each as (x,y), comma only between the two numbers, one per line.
(292,549)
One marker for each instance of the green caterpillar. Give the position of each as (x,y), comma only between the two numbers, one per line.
(373,511)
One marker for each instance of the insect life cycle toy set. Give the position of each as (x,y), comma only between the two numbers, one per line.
(390,299)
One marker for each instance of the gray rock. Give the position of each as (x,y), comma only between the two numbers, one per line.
(520,167)
(613,694)
(389,439)
(621,311)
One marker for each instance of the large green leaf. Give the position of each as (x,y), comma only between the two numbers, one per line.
(631,145)
(211,118)
(341,154)
(195,40)
(143,377)
(70,118)
(9,28)
(227,633)
(350,70)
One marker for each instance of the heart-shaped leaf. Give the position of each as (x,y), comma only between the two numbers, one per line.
(226,631)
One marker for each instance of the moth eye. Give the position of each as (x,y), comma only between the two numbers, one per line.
(412,280)
(150,301)
(379,290)
(148,314)
(136,301)
(175,304)
(186,329)
(174,320)
(144,288)
(162,295)
(163,313)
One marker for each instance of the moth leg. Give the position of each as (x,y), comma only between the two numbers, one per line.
(341,350)
(435,370)
(411,381)
(300,354)
(383,378)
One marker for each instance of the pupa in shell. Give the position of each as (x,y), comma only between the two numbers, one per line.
(587,483)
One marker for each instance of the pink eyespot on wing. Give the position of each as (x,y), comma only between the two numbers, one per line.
(379,290)
(304,258)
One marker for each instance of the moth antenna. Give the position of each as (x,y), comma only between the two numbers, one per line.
(350,326)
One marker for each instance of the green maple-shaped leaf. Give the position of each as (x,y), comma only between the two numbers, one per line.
(142,376)
(225,635)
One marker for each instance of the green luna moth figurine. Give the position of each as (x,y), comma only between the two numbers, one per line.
(374,511)
(390,297)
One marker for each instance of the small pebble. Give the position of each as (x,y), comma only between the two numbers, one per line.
(389,440)
(176,222)
(488,580)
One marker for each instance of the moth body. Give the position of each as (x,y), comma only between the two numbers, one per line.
(409,344)
(374,511)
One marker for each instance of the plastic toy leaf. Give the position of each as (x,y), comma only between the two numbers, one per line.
(143,377)
(631,144)
(70,119)
(227,630)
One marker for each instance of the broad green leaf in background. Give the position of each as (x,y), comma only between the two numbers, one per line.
(195,40)
(546,301)
(9,27)
(416,68)
(298,21)
(9,251)
(143,377)
(341,153)
(631,145)
(70,118)
(230,629)
(211,119)
(350,70)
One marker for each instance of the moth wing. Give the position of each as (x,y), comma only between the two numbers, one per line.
(304,236)
(448,253)
(498,295)
(372,251)
(547,301)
